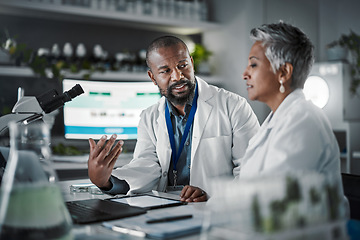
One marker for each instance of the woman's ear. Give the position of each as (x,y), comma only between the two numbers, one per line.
(286,71)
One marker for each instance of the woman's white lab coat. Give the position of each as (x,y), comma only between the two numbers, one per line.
(298,136)
(223,124)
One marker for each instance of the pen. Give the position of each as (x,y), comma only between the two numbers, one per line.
(169,219)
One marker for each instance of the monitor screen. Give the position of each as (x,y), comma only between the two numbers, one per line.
(107,107)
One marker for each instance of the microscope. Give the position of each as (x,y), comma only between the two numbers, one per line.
(30,109)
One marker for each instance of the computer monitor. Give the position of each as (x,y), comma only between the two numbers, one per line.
(106,108)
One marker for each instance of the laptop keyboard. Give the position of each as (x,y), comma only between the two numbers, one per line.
(84,214)
(97,210)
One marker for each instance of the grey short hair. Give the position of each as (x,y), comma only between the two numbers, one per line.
(285,43)
(164,41)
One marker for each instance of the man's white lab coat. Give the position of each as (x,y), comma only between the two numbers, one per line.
(223,125)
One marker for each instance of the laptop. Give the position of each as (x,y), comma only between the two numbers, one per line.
(98,210)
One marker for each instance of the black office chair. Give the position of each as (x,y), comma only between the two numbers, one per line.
(351,185)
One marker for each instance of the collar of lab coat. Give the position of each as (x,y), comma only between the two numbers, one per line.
(284,107)
(202,114)
(273,118)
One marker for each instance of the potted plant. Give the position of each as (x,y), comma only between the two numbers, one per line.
(351,42)
(41,64)
(201,56)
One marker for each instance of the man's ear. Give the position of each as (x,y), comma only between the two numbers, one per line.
(286,72)
(192,62)
(151,76)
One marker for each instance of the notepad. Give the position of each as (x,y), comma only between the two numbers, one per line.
(148,201)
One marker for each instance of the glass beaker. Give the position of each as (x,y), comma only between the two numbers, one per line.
(31,203)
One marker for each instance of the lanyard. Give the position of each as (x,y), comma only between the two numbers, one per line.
(176,155)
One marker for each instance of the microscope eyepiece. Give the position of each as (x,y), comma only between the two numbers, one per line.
(73,92)
(51,100)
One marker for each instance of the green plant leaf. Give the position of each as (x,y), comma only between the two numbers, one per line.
(200,54)
(351,41)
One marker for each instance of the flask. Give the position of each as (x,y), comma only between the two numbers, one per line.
(31,203)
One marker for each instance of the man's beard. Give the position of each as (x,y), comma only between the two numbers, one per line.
(179,100)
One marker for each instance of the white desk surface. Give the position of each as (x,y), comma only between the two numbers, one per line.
(97,231)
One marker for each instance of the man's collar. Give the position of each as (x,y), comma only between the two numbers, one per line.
(172,109)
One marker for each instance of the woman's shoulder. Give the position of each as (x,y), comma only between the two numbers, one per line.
(308,117)
(307,109)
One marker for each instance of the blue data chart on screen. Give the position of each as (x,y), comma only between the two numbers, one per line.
(128,132)
(107,108)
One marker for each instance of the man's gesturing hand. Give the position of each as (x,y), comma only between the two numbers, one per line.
(193,194)
(102,158)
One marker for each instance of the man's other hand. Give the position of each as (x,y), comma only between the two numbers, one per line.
(193,194)
(102,158)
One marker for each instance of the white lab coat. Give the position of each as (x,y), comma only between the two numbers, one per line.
(298,136)
(223,124)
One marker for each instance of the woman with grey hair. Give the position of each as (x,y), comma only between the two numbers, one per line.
(292,158)
(296,135)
